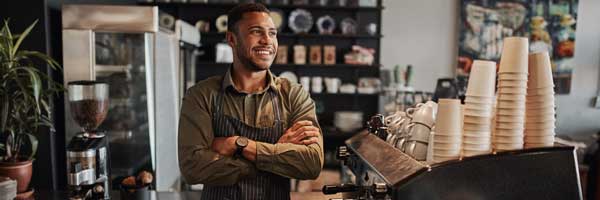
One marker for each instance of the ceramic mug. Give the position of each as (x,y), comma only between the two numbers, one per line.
(316,84)
(333,84)
(305,82)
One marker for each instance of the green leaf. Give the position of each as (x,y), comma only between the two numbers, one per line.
(4,110)
(21,37)
(36,84)
(34,145)
(7,39)
(35,54)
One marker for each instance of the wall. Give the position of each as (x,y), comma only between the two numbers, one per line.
(424,34)
(575,115)
(421,33)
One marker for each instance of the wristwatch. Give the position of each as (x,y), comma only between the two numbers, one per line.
(241,143)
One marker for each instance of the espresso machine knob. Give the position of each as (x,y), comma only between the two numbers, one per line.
(343,154)
(379,190)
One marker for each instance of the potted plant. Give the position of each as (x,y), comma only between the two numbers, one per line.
(25,93)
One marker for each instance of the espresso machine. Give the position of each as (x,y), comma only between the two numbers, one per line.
(87,153)
(384,172)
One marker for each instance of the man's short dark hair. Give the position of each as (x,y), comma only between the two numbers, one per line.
(236,13)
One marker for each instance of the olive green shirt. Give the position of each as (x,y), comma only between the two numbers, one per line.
(200,164)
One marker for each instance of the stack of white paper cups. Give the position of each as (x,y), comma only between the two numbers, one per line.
(448,126)
(539,121)
(512,91)
(477,127)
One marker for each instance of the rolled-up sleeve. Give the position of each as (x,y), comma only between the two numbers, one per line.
(292,160)
(197,162)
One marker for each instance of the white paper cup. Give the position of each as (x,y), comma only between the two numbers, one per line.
(480,113)
(531,114)
(540,70)
(510,118)
(449,101)
(509,97)
(478,134)
(449,115)
(477,127)
(480,100)
(510,125)
(482,79)
(540,125)
(513,83)
(541,132)
(473,106)
(511,104)
(512,90)
(476,140)
(540,145)
(509,132)
(447,138)
(445,158)
(539,139)
(446,153)
(469,153)
(446,146)
(507,138)
(477,147)
(540,105)
(477,120)
(540,98)
(541,118)
(512,76)
(539,92)
(540,111)
(507,147)
(510,112)
(515,53)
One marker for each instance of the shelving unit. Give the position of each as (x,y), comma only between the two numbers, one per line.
(277,6)
(327,104)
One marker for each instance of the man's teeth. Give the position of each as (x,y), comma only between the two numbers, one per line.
(264,52)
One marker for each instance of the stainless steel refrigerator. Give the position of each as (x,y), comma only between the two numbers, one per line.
(122,45)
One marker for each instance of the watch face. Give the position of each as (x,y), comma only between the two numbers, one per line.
(241,141)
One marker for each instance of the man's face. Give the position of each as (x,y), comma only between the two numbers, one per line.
(255,44)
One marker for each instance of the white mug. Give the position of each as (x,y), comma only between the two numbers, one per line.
(316,84)
(305,82)
(333,84)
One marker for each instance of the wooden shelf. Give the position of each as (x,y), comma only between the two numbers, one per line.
(289,6)
(334,66)
(305,35)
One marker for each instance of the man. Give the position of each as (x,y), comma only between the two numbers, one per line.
(244,134)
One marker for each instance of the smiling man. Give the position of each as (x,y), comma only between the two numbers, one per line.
(244,134)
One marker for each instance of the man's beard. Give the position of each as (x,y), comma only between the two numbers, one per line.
(251,65)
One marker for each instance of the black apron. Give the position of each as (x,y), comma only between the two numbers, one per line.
(265,185)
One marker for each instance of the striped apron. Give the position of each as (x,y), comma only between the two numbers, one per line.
(265,185)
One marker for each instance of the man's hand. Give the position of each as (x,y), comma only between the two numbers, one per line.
(224,145)
(302,132)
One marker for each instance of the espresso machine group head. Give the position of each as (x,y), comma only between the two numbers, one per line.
(87,153)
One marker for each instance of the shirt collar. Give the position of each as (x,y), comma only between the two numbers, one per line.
(228,81)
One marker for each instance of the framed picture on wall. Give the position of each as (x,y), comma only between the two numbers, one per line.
(549,24)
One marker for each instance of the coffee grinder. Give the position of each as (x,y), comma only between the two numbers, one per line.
(87,154)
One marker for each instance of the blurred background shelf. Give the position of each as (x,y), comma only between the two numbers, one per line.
(305,35)
(278,6)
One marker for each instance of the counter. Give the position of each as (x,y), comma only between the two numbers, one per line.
(184,195)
